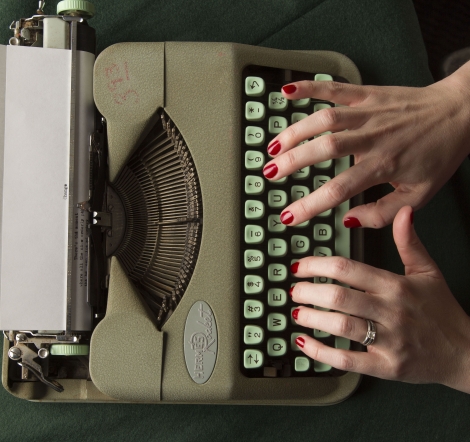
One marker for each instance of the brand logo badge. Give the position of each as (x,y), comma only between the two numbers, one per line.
(200,342)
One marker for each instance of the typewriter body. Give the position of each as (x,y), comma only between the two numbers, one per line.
(125,269)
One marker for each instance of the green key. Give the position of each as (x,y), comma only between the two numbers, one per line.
(298,192)
(323,77)
(322,251)
(277,322)
(253,309)
(277,125)
(254,111)
(277,297)
(254,160)
(320,367)
(304,224)
(277,198)
(253,335)
(277,247)
(280,180)
(277,347)
(254,259)
(322,232)
(277,272)
(254,185)
(253,359)
(299,244)
(301,364)
(320,106)
(319,180)
(254,136)
(301,174)
(293,337)
(343,343)
(297,116)
(303,102)
(324,164)
(275,225)
(253,284)
(254,234)
(254,209)
(254,86)
(277,101)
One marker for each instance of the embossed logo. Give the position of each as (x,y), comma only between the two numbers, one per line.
(200,342)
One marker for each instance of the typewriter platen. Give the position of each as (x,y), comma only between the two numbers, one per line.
(126,286)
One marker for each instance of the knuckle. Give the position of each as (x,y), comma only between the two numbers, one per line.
(290,159)
(345,326)
(330,117)
(339,297)
(336,192)
(291,132)
(346,362)
(341,267)
(332,145)
(334,86)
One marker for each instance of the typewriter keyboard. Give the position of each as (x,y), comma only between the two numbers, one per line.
(269,248)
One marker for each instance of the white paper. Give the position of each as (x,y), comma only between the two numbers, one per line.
(33,266)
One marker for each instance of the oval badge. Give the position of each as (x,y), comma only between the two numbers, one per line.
(200,342)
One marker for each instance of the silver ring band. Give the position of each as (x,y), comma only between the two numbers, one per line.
(371,333)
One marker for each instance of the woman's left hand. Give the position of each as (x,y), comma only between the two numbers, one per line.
(423,334)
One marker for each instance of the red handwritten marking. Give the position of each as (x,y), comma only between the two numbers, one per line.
(120,84)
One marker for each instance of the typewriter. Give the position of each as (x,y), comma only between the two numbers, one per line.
(142,254)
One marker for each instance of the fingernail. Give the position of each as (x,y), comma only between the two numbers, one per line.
(295,313)
(274,148)
(294,267)
(286,217)
(270,170)
(289,88)
(351,223)
(412,216)
(291,290)
(300,342)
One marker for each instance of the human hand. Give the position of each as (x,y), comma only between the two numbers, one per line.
(413,138)
(423,334)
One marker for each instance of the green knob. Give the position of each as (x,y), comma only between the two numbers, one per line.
(70,349)
(78,7)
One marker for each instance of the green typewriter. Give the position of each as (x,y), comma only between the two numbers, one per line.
(142,254)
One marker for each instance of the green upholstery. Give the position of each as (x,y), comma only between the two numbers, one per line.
(382,37)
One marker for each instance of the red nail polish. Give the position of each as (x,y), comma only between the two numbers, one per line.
(274,148)
(412,216)
(291,290)
(351,223)
(289,88)
(295,313)
(294,267)
(270,171)
(300,342)
(286,217)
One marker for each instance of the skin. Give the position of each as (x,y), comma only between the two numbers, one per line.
(415,140)
(409,137)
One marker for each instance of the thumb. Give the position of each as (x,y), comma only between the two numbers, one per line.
(412,252)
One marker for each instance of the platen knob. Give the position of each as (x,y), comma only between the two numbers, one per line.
(81,8)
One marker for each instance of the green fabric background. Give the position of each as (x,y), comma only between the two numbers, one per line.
(382,37)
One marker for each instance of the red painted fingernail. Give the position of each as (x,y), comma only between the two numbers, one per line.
(291,290)
(286,217)
(270,170)
(295,313)
(351,223)
(289,88)
(294,267)
(300,342)
(274,148)
(412,216)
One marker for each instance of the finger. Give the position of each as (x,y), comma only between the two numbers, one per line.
(336,92)
(344,186)
(323,148)
(336,297)
(338,324)
(334,119)
(346,360)
(382,212)
(356,274)
(412,251)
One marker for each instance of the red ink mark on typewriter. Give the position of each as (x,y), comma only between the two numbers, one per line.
(120,84)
